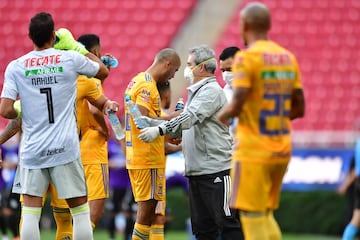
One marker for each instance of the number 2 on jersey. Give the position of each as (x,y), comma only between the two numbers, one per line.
(277,114)
(50,107)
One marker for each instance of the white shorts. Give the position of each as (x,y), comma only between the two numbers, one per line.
(68,179)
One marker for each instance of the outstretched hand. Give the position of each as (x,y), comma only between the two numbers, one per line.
(149,134)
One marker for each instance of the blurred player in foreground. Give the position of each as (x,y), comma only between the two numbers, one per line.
(267,96)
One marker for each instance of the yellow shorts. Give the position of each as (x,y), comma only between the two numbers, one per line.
(97,181)
(148,184)
(256,187)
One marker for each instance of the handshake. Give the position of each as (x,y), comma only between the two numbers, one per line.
(65,41)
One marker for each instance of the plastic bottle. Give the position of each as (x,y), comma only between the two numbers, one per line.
(180,104)
(135,113)
(115,125)
(110,61)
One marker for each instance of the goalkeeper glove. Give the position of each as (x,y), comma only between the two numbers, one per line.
(149,134)
(66,41)
(17,107)
(139,122)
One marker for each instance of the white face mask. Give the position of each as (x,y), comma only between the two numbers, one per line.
(228,77)
(188,74)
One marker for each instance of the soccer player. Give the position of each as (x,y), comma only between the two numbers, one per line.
(146,161)
(267,96)
(45,80)
(207,149)
(93,135)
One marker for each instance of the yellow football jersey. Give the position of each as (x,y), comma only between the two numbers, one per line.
(263,131)
(93,144)
(139,155)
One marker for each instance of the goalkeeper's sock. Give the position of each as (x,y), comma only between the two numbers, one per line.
(350,232)
(30,223)
(81,222)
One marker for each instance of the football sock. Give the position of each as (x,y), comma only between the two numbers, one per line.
(30,223)
(141,232)
(157,232)
(254,227)
(81,222)
(350,232)
(63,221)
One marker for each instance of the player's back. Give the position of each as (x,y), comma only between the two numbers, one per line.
(271,72)
(93,143)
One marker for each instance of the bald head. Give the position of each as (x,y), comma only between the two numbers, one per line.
(256,16)
(166,63)
(167,54)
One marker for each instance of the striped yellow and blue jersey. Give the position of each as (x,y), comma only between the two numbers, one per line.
(93,144)
(271,73)
(142,90)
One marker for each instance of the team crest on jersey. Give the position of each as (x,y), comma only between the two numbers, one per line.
(98,85)
(145,95)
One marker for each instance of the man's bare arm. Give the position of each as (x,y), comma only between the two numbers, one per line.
(13,127)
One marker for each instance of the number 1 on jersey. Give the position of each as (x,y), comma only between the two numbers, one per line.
(49,101)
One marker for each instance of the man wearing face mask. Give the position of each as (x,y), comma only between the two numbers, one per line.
(207,149)
(226,59)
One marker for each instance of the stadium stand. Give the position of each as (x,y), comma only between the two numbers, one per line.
(133,31)
(322,34)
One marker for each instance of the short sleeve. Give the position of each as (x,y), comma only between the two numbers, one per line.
(241,69)
(9,88)
(84,65)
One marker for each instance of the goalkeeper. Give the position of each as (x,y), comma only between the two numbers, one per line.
(50,145)
(207,149)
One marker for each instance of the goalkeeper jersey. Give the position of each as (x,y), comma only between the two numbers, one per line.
(45,81)
(142,90)
(93,144)
(271,73)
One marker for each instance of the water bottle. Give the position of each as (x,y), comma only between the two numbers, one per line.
(180,104)
(115,125)
(109,61)
(135,113)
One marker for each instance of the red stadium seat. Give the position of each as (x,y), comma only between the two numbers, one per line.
(133,31)
(322,34)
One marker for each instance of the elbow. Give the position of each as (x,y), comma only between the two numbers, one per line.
(297,114)
(6,114)
(103,73)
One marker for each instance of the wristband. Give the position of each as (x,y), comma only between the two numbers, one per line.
(161,131)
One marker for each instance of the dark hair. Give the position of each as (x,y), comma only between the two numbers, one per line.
(163,87)
(228,53)
(41,28)
(89,41)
